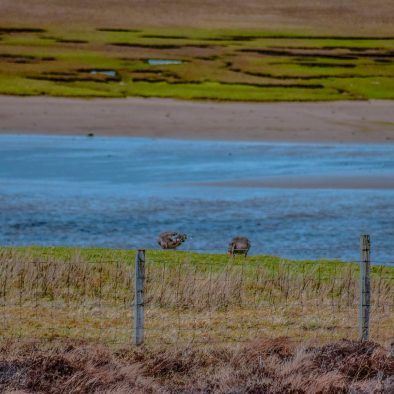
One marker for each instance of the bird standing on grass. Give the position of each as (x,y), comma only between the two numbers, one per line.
(171,240)
(239,245)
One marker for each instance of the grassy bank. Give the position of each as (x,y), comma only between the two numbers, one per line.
(238,65)
(63,292)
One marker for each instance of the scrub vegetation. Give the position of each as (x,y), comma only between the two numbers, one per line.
(240,65)
(260,366)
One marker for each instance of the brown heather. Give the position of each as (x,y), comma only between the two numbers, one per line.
(260,366)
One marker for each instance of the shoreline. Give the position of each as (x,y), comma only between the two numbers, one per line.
(332,121)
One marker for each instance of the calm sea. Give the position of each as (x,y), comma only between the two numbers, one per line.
(293,200)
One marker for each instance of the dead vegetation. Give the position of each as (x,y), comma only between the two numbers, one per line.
(260,366)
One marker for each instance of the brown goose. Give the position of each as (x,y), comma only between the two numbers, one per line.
(239,245)
(171,240)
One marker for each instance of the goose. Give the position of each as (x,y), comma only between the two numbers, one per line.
(171,239)
(238,245)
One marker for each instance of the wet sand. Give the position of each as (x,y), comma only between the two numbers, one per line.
(311,182)
(331,17)
(352,121)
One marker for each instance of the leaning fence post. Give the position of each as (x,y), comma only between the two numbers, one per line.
(365,288)
(139,297)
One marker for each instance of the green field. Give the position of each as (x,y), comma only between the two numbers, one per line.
(50,293)
(237,65)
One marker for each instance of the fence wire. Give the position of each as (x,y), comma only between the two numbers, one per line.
(237,300)
(65,299)
(190,298)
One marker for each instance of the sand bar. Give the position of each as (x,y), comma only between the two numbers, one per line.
(332,17)
(352,121)
(311,182)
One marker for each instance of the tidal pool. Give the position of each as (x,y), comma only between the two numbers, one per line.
(293,200)
(108,73)
(158,62)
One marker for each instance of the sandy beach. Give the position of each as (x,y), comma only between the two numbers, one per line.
(363,122)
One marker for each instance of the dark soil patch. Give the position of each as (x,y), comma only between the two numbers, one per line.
(160,46)
(328,65)
(82,75)
(257,85)
(276,85)
(352,49)
(147,46)
(209,58)
(116,30)
(52,38)
(65,79)
(8,30)
(148,71)
(165,37)
(290,53)
(150,79)
(387,54)
(379,60)
(216,39)
(233,38)
(12,57)
(326,48)
(300,37)
(23,59)
(59,73)
(64,41)
(241,38)
(351,53)
(305,77)
(160,78)
(198,46)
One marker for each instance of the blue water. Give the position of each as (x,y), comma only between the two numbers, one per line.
(159,62)
(121,192)
(108,73)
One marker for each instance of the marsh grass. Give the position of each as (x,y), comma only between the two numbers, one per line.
(237,65)
(48,293)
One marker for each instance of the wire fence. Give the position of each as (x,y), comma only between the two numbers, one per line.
(65,299)
(189,297)
(237,300)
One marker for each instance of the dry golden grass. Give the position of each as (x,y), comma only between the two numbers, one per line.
(189,298)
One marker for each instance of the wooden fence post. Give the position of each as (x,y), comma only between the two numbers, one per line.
(365,288)
(139,280)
